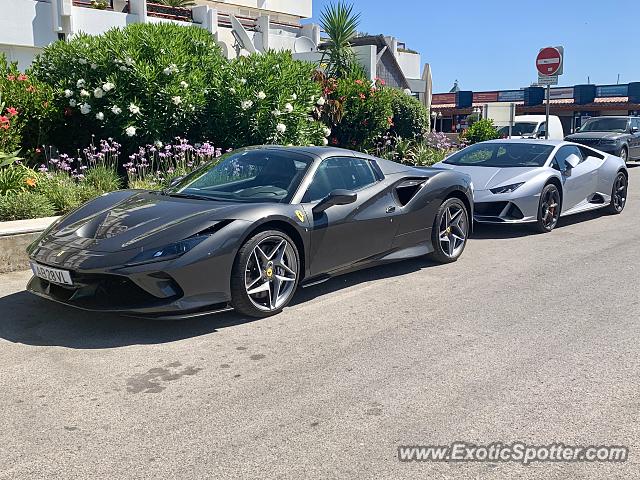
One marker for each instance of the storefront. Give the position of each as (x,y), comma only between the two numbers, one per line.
(573,105)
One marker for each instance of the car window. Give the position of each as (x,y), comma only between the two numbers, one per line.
(502,155)
(563,153)
(636,123)
(340,173)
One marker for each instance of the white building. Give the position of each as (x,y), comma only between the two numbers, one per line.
(240,26)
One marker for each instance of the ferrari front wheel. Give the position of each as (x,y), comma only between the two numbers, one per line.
(450,231)
(265,274)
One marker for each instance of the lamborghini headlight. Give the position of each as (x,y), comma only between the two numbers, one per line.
(168,252)
(507,188)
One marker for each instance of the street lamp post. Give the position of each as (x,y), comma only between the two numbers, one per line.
(434,116)
(440,117)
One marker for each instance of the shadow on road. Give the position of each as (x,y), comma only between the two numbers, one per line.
(34,321)
(31,320)
(493,232)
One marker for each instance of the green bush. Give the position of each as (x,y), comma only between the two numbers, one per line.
(26,109)
(359,113)
(410,117)
(25,205)
(265,99)
(480,131)
(102,179)
(15,178)
(140,84)
(61,190)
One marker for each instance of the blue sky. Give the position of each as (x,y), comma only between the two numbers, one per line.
(492,44)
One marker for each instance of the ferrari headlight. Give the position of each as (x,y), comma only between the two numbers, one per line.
(507,188)
(169,252)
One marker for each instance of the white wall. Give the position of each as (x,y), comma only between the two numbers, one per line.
(298,8)
(23,55)
(95,22)
(410,64)
(26,23)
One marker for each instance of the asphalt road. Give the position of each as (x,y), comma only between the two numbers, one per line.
(528,337)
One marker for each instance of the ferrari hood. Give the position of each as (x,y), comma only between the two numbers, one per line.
(144,219)
(484,178)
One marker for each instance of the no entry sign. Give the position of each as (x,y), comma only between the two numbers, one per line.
(549,61)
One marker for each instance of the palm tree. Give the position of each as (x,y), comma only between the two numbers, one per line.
(177,3)
(341,25)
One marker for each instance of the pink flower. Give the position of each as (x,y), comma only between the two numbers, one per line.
(12,111)
(22,77)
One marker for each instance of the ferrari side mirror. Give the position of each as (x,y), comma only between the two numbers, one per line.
(336,197)
(176,181)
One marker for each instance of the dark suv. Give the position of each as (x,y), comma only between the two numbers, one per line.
(616,135)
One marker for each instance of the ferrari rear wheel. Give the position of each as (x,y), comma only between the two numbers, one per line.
(450,231)
(618,194)
(265,274)
(548,209)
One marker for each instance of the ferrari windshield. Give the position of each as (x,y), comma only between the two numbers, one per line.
(605,125)
(260,175)
(502,155)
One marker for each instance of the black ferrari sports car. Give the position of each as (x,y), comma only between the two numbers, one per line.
(245,230)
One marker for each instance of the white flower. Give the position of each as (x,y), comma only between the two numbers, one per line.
(326,131)
(107,87)
(93,66)
(82,61)
(184,84)
(261,95)
(130,131)
(123,68)
(80,83)
(232,90)
(116,110)
(177,100)
(288,108)
(129,61)
(246,104)
(325,142)
(276,113)
(243,81)
(72,102)
(281,128)
(84,93)
(158,144)
(294,97)
(68,93)
(85,108)
(100,116)
(98,93)
(321,101)
(133,108)
(173,68)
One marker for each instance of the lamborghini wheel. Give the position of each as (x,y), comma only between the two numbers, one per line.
(450,231)
(548,209)
(618,194)
(265,274)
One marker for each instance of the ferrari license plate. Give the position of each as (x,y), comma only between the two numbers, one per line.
(54,275)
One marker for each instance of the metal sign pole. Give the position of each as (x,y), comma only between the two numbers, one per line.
(546,128)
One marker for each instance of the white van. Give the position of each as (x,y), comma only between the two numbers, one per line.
(533,126)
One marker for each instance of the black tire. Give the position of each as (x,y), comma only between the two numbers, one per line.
(549,209)
(245,264)
(618,194)
(624,154)
(442,252)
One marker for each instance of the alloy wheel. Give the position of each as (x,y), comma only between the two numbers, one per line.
(453,230)
(620,192)
(550,208)
(624,155)
(271,273)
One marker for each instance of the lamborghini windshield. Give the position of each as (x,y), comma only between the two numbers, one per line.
(502,155)
(247,176)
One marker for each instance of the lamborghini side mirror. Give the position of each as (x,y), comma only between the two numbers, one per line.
(175,181)
(336,197)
